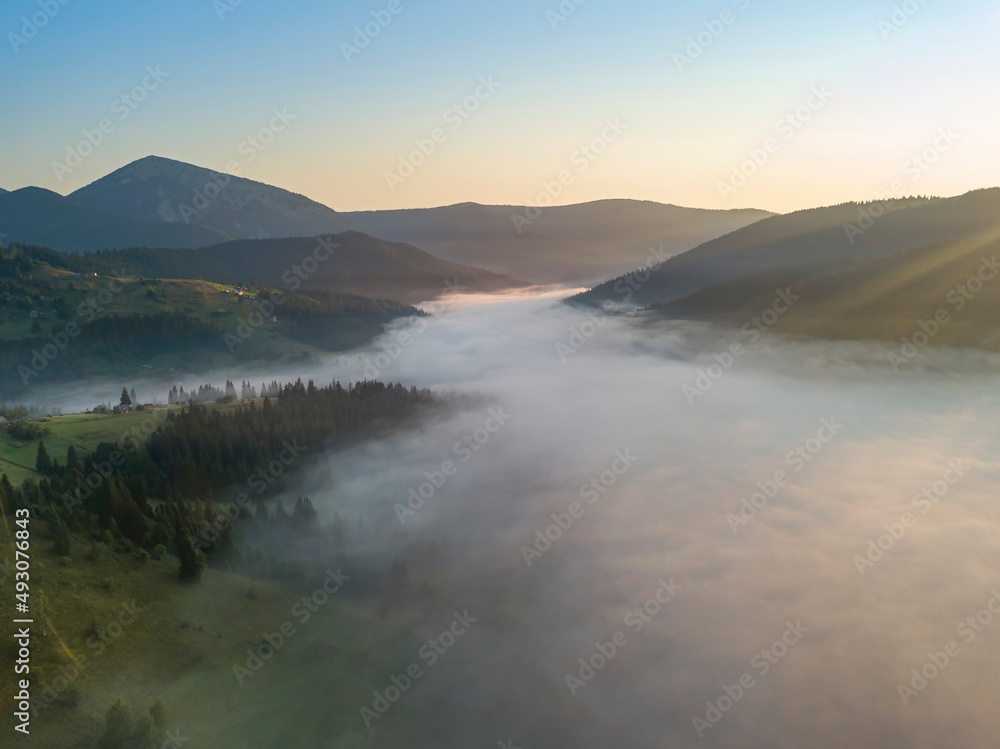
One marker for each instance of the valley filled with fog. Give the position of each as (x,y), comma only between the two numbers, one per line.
(532,375)
(589,482)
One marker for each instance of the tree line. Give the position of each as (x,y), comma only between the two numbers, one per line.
(160,495)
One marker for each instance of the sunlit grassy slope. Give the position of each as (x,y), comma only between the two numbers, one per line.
(882,299)
(811,241)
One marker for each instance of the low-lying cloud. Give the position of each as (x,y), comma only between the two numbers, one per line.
(715,665)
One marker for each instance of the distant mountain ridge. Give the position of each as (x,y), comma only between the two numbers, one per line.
(579,244)
(349,262)
(33,215)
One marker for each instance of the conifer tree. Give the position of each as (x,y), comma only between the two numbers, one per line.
(72,460)
(117,726)
(43,463)
(6,492)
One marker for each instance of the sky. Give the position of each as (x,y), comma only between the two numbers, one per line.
(729,104)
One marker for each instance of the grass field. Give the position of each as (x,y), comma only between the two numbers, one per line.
(180,644)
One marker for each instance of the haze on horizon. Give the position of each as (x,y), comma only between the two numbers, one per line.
(895,78)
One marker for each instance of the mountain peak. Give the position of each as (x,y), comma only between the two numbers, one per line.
(32,193)
(162,189)
(155,167)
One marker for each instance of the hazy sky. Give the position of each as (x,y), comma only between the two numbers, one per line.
(229,64)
